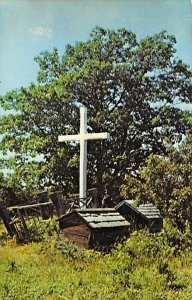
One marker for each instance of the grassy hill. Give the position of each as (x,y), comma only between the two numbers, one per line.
(145,267)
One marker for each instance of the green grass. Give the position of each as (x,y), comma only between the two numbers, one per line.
(146,267)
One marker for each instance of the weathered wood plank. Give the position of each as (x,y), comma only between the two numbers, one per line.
(29,205)
(7,220)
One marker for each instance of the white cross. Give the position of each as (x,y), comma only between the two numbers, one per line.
(83,136)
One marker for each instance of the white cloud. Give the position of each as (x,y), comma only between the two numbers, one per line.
(41,31)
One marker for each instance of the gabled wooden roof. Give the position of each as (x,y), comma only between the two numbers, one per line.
(98,217)
(148,211)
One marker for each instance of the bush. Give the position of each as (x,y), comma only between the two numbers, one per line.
(146,266)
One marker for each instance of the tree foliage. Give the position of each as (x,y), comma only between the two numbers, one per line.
(166,182)
(129,88)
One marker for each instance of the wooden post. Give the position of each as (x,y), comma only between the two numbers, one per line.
(23,222)
(56,198)
(4,214)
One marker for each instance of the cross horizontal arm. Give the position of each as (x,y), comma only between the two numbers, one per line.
(97,136)
(84,137)
(65,138)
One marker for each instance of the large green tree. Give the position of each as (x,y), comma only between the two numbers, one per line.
(129,88)
(167,183)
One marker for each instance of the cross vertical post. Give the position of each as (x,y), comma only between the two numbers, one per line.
(83,153)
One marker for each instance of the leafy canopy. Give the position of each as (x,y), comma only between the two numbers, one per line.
(166,182)
(129,88)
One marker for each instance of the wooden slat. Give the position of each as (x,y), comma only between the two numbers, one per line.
(30,205)
(109,224)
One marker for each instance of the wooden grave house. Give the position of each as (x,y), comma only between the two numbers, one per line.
(97,228)
(18,219)
(145,215)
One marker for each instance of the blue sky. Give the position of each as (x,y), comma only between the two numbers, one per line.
(28,27)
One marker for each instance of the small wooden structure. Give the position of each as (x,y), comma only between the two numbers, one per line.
(97,228)
(65,205)
(145,215)
(22,216)
(18,219)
